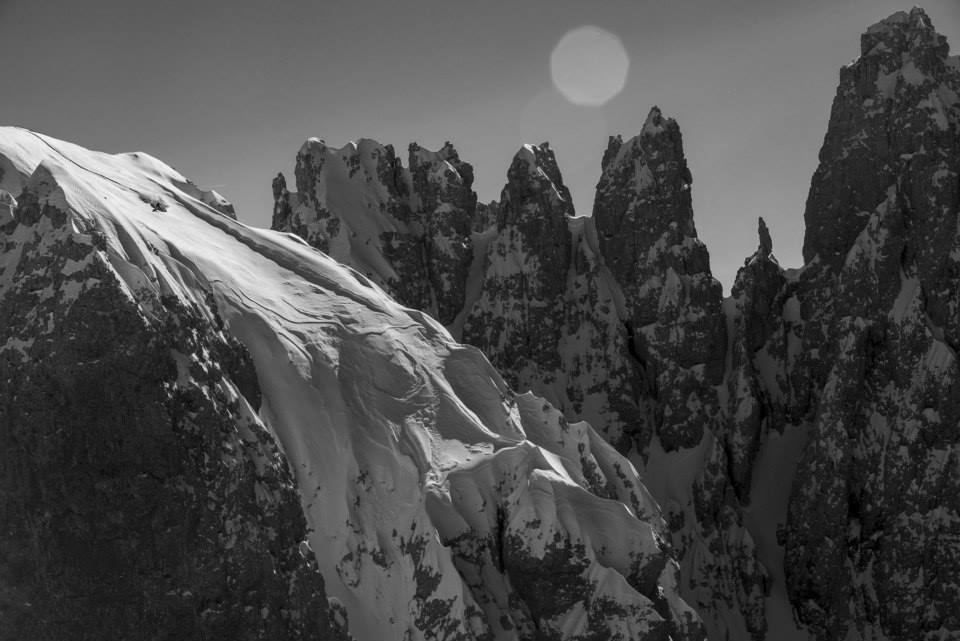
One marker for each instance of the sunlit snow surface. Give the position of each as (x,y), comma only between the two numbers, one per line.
(400,439)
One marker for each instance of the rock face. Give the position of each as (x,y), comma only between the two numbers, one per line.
(845,372)
(518,318)
(759,360)
(871,540)
(547,312)
(211,428)
(678,338)
(407,229)
(141,490)
(891,121)
(645,229)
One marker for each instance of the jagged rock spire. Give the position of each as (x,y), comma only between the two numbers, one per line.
(644,221)
(876,372)
(766,244)
(644,193)
(894,117)
(518,317)
(443,204)
(408,229)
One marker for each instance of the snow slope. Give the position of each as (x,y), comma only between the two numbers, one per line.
(440,504)
(542,301)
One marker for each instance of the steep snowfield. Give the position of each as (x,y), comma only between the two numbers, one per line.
(433,493)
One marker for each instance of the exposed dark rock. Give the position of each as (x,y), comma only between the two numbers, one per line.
(892,119)
(518,319)
(766,244)
(758,361)
(141,495)
(407,229)
(646,234)
(444,204)
(876,373)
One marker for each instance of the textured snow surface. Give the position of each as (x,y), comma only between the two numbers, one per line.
(412,456)
(547,308)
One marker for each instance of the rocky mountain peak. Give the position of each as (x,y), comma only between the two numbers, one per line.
(446,153)
(896,112)
(903,57)
(517,318)
(614,143)
(440,176)
(872,323)
(535,203)
(406,228)
(766,243)
(902,34)
(656,124)
(442,204)
(366,160)
(534,167)
(645,232)
(644,195)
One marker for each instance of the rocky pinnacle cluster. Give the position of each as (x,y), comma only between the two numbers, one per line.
(801,435)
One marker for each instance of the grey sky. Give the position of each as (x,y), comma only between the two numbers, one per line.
(226,91)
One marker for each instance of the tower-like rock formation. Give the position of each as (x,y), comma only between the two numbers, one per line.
(406,228)
(518,319)
(646,234)
(874,518)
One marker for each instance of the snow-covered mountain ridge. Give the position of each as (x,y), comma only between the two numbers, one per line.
(214,429)
(773,425)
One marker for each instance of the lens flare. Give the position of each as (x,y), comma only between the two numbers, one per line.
(589,66)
